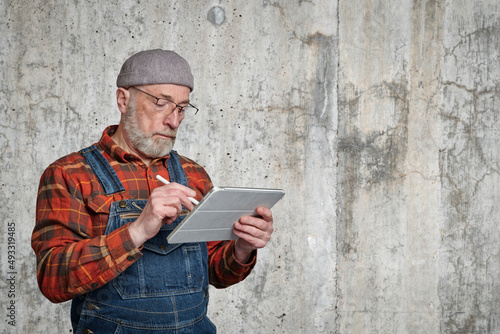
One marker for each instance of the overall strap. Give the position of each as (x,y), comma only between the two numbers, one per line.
(103,170)
(175,169)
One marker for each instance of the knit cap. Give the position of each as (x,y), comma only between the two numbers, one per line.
(155,67)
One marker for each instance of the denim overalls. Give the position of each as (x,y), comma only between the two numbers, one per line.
(164,291)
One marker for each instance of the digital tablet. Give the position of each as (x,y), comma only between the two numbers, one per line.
(213,218)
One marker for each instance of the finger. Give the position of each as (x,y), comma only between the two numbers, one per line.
(265,213)
(252,240)
(172,192)
(179,198)
(174,185)
(257,222)
(168,206)
(254,231)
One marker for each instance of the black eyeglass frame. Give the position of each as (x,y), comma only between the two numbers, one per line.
(162,98)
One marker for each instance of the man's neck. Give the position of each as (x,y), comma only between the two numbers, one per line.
(120,139)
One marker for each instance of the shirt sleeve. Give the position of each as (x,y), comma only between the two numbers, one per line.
(70,261)
(224,269)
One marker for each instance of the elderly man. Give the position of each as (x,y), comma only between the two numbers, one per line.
(103,219)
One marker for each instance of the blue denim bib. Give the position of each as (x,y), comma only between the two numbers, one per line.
(164,291)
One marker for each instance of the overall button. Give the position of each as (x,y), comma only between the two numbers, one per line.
(130,258)
(163,247)
(122,204)
(87,331)
(91,307)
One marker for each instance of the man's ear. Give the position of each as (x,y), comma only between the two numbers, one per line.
(122,99)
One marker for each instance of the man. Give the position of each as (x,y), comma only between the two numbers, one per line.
(103,219)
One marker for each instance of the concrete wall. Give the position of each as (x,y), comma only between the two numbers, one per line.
(380,119)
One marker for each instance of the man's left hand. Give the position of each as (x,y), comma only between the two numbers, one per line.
(253,233)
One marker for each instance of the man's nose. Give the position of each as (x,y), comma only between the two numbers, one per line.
(173,119)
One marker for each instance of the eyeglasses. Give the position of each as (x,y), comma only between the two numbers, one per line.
(166,107)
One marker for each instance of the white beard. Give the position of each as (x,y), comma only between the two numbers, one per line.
(143,142)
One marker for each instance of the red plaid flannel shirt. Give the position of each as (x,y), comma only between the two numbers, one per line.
(73,254)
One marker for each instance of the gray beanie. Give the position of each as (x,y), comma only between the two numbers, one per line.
(155,67)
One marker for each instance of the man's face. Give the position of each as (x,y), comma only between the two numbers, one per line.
(150,129)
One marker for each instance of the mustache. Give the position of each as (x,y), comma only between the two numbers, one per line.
(168,133)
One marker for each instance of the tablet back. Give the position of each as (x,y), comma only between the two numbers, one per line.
(214,217)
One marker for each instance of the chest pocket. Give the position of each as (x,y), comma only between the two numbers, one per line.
(164,269)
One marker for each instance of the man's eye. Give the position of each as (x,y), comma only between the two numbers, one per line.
(162,103)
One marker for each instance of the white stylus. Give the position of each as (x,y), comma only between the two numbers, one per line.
(195,202)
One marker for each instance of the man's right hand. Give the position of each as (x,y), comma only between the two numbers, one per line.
(163,207)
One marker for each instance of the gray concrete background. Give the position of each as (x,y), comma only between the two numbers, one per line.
(380,119)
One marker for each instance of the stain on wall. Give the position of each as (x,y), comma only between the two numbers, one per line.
(469,173)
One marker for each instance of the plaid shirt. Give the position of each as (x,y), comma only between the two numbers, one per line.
(73,254)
